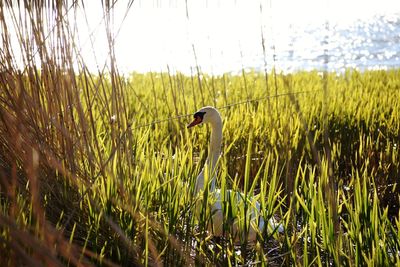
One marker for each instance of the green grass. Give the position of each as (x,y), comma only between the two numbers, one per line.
(99,169)
(93,189)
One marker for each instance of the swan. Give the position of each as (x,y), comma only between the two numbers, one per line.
(211,116)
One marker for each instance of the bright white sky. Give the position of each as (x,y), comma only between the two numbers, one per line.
(225,33)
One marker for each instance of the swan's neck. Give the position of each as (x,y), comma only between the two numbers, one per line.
(215,144)
(213,156)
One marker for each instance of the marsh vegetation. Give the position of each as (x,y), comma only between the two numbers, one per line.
(99,168)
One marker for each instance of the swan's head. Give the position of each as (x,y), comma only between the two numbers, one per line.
(205,115)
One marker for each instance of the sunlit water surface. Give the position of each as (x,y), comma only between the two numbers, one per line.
(229,35)
(226,36)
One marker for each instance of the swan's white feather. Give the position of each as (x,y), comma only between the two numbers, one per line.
(218,199)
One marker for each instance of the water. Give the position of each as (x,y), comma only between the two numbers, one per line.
(226,35)
(298,35)
(365,44)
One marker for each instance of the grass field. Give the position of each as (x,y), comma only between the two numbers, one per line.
(86,178)
(100,169)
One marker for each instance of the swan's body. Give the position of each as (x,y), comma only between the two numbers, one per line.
(211,115)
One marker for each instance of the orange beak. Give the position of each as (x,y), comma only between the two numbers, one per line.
(196,121)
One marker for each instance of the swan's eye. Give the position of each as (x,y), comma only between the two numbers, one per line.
(198,118)
(199,115)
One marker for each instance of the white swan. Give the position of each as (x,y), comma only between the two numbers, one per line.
(211,115)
